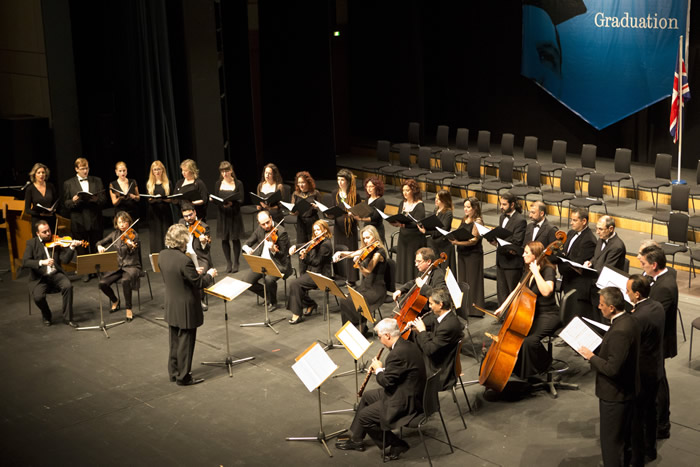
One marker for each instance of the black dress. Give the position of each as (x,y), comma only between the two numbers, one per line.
(229,225)
(131,206)
(306,221)
(410,240)
(439,243)
(32,197)
(372,287)
(376,219)
(471,270)
(160,218)
(275,208)
(200,209)
(533,358)
(345,236)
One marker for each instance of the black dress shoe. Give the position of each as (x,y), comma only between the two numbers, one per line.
(47,322)
(172,379)
(296,321)
(310,309)
(396,451)
(350,445)
(272,307)
(70,323)
(190,382)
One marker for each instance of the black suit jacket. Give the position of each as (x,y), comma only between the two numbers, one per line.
(84,215)
(281,258)
(665,291)
(202,251)
(509,258)
(581,251)
(403,380)
(650,316)
(612,256)
(436,280)
(438,343)
(34,252)
(183,300)
(617,361)
(545,235)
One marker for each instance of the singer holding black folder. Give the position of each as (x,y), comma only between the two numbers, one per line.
(40,196)
(305,189)
(345,227)
(436,240)
(410,238)
(124,192)
(270,182)
(470,255)
(374,188)
(229,225)
(160,214)
(190,181)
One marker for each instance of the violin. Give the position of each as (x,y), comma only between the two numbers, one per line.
(65,242)
(271,236)
(129,237)
(197,229)
(368,250)
(310,245)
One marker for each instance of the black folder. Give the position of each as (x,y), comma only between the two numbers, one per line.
(221,201)
(498,232)
(269,199)
(432,221)
(299,208)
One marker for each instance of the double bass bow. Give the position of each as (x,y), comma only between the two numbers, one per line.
(517,314)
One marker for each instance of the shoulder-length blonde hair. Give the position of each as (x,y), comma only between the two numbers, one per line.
(151,183)
(190,166)
(37,166)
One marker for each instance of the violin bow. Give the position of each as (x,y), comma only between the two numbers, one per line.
(119,237)
(274,227)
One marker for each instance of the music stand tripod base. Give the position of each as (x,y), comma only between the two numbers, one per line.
(321,437)
(229,361)
(252,260)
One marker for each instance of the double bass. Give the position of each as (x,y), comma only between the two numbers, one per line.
(517,314)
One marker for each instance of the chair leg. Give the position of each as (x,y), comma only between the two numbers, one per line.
(461,383)
(471,339)
(150,290)
(459,409)
(680,317)
(444,427)
(29,296)
(422,439)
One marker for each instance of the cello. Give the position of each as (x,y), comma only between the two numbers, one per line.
(414,302)
(517,314)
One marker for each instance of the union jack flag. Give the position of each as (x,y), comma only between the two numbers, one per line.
(674,98)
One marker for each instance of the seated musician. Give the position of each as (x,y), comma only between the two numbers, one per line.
(445,332)
(533,357)
(200,238)
(126,244)
(402,381)
(435,279)
(47,274)
(317,258)
(373,268)
(261,244)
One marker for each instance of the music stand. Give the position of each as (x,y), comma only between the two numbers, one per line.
(228,289)
(266,267)
(95,263)
(360,303)
(153,257)
(328,286)
(356,344)
(313,367)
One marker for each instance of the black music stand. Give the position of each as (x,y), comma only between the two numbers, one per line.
(227,289)
(153,257)
(313,367)
(266,267)
(328,286)
(95,263)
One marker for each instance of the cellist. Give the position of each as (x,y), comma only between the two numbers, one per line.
(435,279)
(533,358)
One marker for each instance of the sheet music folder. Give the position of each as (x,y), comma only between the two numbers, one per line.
(313,366)
(228,288)
(353,340)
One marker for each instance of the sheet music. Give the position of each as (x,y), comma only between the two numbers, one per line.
(577,334)
(153,258)
(321,206)
(611,278)
(353,340)
(501,242)
(314,366)
(602,326)
(483,230)
(574,263)
(228,288)
(381,213)
(453,287)
(287,205)
(193,257)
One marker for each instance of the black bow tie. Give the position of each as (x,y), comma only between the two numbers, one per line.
(82,179)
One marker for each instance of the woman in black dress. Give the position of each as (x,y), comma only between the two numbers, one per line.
(316,259)
(124,192)
(129,261)
(190,181)
(533,357)
(345,227)
(410,238)
(229,227)
(305,189)
(470,256)
(40,196)
(374,188)
(436,240)
(160,214)
(373,285)
(271,181)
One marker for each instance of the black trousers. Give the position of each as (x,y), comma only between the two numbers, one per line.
(533,357)
(181,352)
(124,279)
(299,293)
(615,431)
(57,281)
(367,420)
(644,423)
(506,281)
(257,288)
(663,403)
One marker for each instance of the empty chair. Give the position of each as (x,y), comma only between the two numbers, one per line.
(413,137)
(507,142)
(680,194)
(424,158)
(504,180)
(695,191)
(588,156)
(404,161)
(596,183)
(447,166)
(383,160)
(483,143)
(441,139)
(462,141)
(558,160)
(567,185)
(623,171)
(473,176)
(677,236)
(533,185)
(662,172)
(694,256)
(529,154)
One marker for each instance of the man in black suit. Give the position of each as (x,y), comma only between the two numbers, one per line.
(539,230)
(277,251)
(664,290)
(438,334)
(198,245)
(183,308)
(46,273)
(650,315)
(435,279)
(509,260)
(85,211)
(579,247)
(399,399)
(617,377)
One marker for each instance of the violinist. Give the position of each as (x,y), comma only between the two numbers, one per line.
(316,256)
(434,280)
(46,274)
(199,244)
(533,357)
(126,244)
(268,244)
(373,267)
